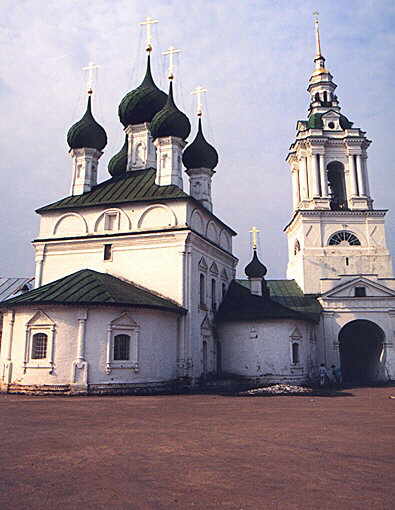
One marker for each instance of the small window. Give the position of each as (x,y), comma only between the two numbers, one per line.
(39,346)
(295,353)
(347,261)
(223,290)
(110,221)
(360,292)
(202,290)
(107,251)
(296,247)
(121,347)
(213,295)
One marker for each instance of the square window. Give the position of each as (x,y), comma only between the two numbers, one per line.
(360,292)
(110,221)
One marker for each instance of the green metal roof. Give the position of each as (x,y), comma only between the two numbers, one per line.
(90,287)
(288,293)
(132,187)
(240,305)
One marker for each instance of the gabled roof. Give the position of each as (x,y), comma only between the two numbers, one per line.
(342,289)
(240,304)
(11,286)
(88,287)
(135,186)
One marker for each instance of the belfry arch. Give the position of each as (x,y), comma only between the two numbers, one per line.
(361,345)
(337,186)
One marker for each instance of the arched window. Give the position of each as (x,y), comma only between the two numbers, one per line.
(121,347)
(295,353)
(337,185)
(344,238)
(39,346)
(213,295)
(296,247)
(202,290)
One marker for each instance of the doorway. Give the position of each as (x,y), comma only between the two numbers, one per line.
(361,344)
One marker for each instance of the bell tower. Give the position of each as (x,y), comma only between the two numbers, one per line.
(335,230)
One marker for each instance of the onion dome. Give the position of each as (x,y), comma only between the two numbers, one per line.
(170,121)
(255,269)
(315,121)
(117,164)
(200,154)
(141,104)
(87,133)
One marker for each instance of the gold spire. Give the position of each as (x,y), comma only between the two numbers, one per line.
(148,22)
(254,237)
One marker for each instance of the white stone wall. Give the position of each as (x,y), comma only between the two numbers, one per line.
(263,349)
(316,259)
(157,346)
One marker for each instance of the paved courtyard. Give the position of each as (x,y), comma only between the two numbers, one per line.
(199,452)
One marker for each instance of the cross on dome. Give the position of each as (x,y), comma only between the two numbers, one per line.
(170,53)
(198,92)
(91,69)
(254,237)
(148,22)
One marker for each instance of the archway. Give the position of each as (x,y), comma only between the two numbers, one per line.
(337,186)
(361,351)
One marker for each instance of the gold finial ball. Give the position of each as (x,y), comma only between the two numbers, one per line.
(90,92)
(148,48)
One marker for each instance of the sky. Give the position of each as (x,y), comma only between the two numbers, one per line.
(254,58)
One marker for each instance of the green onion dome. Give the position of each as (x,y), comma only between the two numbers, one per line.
(315,121)
(200,154)
(141,104)
(255,269)
(117,164)
(170,121)
(87,133)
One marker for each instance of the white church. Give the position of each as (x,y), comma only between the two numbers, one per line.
(135,281)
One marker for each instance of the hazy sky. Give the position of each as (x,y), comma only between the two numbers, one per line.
(254,57)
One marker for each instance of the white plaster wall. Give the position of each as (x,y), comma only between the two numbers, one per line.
(151,260)
(263,348)
(317,260)
(157,346)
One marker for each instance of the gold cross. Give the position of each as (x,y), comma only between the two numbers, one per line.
(90,68)
(148,24)
(254,231)
(198,92)
(171,52)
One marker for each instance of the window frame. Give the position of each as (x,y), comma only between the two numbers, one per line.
(39,323)
(107,216)
(123,325)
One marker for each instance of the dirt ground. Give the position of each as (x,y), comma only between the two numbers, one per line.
(198,452)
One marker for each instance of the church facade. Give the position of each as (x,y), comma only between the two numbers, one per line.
(136,285)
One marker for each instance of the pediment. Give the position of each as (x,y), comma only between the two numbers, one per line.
(203,264)
(40,319)
(214,268)
(124,321)
(296,334)
(331,114)
(347,290)
(206,325)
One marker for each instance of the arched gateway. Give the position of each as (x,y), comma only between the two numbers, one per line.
(361,345)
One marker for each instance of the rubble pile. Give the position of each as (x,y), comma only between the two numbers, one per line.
(278,389)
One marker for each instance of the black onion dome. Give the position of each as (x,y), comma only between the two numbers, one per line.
(200,154)
(170,121)
(87,133)
(141,104)
(117,164)
(255,269)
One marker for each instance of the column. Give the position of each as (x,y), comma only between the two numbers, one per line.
(81,338)
(351,168)
(316,176)
(324,180)
(295,188)
(361,183)
(303,179)
(365,175)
